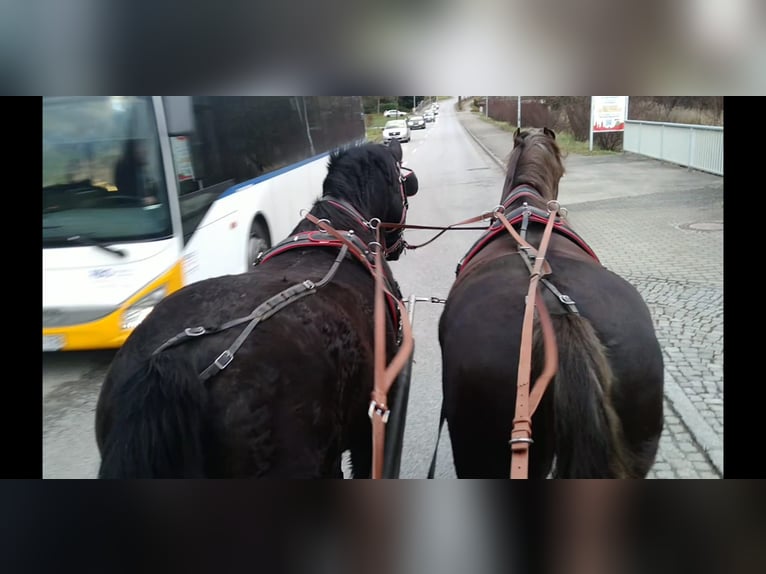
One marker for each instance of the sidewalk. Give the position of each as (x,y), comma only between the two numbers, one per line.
(660,226)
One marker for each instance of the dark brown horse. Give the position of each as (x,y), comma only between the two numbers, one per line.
(267,373)
(602,414)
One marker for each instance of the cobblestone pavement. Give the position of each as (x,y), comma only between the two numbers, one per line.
(660,226)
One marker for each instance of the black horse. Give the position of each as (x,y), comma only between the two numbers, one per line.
(295,395)
(602,414)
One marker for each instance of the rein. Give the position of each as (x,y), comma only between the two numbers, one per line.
(483,217)
(384,376)
(521,435)
(378,410)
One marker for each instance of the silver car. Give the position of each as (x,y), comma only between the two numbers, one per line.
(416,123)
(396,129)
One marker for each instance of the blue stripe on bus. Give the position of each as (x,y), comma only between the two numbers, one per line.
(235,188)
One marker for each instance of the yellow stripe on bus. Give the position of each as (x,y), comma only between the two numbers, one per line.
(107,332)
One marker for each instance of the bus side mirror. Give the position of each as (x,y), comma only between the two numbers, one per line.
(179,115)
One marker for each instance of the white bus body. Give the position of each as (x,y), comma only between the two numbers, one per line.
(93,296)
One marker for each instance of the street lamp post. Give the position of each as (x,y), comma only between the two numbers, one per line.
(518,113)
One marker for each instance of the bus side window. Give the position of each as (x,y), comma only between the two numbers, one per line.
(201,177)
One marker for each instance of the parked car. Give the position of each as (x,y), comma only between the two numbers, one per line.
(396,129)
(429,116)
(416,122)
(394,113)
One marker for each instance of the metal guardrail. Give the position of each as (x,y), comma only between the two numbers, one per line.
(695,146)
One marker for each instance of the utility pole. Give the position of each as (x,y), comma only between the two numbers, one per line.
(378,104)
(486,106)
(518,113)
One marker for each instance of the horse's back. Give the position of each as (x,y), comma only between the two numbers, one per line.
(492,298)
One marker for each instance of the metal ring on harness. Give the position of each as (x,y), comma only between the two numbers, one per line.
(373,223)
(553,202)
(378,246)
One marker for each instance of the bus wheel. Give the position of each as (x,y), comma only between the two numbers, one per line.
(258,242)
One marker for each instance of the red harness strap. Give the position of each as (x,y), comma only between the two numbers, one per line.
(559,226)
(324,239)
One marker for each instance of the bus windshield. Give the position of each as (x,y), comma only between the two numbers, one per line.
(103,178)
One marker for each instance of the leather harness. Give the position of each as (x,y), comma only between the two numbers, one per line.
(526,401)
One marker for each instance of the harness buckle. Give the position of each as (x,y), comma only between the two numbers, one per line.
(194,331)
(224,359)
(309,284)
(520,440)
(382,410)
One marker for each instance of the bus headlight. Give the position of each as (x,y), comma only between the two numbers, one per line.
(140,309)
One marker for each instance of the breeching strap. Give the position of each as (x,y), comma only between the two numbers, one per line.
(384,376)
(521,435)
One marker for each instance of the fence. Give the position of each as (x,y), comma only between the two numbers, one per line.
(697,147)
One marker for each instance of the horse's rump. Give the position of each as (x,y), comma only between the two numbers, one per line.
(601,395)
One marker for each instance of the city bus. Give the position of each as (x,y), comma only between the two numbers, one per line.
(143,195)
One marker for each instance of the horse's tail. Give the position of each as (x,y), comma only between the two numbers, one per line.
(589,440)
(156,423)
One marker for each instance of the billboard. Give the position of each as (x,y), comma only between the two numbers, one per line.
(608,113)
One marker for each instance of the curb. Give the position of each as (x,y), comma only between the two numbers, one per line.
(488,151)
(700,431)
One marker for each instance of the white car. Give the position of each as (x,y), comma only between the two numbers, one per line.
(396,129)
(429,116)
(394,113)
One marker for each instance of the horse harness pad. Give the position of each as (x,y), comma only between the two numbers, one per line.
(518,216)
(361,253)
(522,216)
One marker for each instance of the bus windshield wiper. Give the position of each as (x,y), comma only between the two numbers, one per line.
(84,240)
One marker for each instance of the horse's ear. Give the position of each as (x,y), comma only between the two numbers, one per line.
(549,132)
(517,139)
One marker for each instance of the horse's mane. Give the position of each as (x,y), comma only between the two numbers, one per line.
(357,175)
(537,161)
